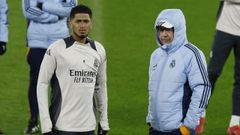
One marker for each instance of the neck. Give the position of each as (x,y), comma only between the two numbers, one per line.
(78,39)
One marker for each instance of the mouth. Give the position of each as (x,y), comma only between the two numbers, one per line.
(82,31)
(165,39)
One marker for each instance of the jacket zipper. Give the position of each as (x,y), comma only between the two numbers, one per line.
(160,78)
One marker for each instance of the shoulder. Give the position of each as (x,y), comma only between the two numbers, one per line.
(193,53)
(57,45)
(99,46)
(156,53)
(100,49)
(193,50)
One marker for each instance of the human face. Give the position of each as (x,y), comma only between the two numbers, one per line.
(81,25)
(165,35)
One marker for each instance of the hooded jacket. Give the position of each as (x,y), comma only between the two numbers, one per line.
(47,23)
(179,88)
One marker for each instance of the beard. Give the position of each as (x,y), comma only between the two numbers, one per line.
(81,35)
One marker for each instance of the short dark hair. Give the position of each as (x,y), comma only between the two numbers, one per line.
(80,9)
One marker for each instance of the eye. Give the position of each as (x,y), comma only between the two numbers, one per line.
(86,21)
(164,29)
(78,21)
(159,28)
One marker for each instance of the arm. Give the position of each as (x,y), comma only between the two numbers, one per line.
(149,116)
(3,21)
(101,96)
(233,1)
(61,9)
(150,92)
(32,12)
(150,104)
(201,89)
(46,71)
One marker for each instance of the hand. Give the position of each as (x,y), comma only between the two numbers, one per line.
(3,47)
(184,130)
(48,133)
(101,131)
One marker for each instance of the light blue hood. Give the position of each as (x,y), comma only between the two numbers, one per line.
(177,19)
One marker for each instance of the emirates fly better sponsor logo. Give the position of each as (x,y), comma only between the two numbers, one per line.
(82,76)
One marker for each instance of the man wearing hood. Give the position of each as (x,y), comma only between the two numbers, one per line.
(179,88)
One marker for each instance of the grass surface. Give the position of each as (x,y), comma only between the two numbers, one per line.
(125,28)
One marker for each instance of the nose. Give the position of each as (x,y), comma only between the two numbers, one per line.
(165,32)
(81,25)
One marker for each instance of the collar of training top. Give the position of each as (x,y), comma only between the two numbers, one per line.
(70,40)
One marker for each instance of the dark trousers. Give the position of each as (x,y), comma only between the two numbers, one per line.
(155,132)
(175,132)
(222,46)
(34,59)
(74,133)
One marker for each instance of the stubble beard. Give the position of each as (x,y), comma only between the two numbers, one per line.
(81,36)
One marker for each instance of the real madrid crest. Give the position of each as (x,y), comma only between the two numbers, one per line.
(172,64)
(95,64)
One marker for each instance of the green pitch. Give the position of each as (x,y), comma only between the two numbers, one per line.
(125,28)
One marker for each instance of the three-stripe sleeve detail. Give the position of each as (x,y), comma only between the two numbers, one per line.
(207,88)
(31,10)
(72,3)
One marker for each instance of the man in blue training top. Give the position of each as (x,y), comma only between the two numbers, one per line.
(3,29)
(178,82)
(47,22)
(3,26)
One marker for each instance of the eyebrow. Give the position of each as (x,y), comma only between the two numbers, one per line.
(160,28)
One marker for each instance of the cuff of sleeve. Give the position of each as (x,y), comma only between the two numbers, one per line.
(104,125)
(148,118)
(192,119)
(46,126)
(4,34)
(191,124)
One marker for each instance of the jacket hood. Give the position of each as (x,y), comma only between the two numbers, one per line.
(176,18)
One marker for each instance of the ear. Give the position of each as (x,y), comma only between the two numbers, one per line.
(70,24)
(91,25)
